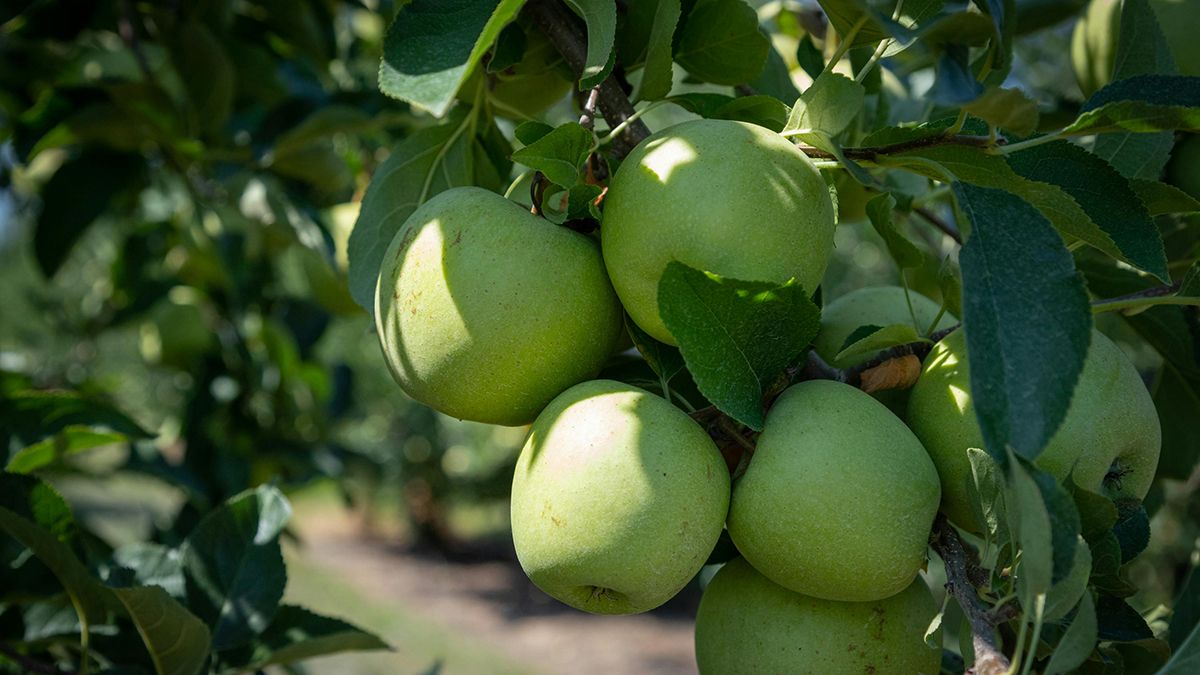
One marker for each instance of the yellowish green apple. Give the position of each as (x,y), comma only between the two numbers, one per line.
(618,498)
(1109,441)
(486,312)
(839,498)
(749,624)
(725,197)
(874,306)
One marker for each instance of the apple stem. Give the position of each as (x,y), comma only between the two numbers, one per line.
(989,657)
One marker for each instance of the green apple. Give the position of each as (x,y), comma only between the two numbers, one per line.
(1108,442)
(725,197)
(748,624)
(618,498)
(873,306)
(1094,41)
(486,312)
(839,498)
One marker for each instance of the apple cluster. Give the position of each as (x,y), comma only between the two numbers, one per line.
(488,313)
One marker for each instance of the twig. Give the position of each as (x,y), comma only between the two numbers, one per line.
(562,29)
(873,151)
(937,221)
(29,664)
(587,119)
(1159,295)
(727,425)
(989,658)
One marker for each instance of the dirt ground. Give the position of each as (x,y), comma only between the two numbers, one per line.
(494,606)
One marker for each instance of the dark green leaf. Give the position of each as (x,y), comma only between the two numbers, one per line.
(1030,524)
(720,42)
(657,70)
(178,642)
(1008,109)
(433,45)
(530,132)
(1161,198)
(868,24)
(601,19)
(1097,513)
(75,196)
(1119,622)
(206,73)
(508,50)
(296,634)
(1186,657)
(704,104)
(955,84)
(1065,594)
(1107,576)
(233,566)
(765,111)
(736,336)
(1078,642)
(904,252)
(950,284)
(1016,273)
(775,80)
(809,57)
(1104,194)
(558,154)
(1145,103)
(663,358)
(1132,531)
(877,340)
(987,494)
(153,565)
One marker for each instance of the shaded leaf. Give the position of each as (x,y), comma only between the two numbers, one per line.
(1145,103)
(558,154)
(1078,642)
(877,340)
(904,252)
(178,642)
(600,16)
(720,42)
(1160,198)
(657,70)
(1017,272)
(1009,109)
(736,336)
(296,634)
(1119,622)
(828,106)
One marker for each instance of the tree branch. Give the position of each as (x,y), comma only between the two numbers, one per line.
(869,153)
(1159,295)
(562,28)
(936,220)
(960,570)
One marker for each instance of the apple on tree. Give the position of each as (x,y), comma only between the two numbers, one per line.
(748,624)
(839,497)
(486,312)
(730,198)
(618,498)
(1108,442)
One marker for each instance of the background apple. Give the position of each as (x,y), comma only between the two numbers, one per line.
(1094,41)
(748,624)
(873,305)
(618,498)
(839,497)
(725,197)
(486,312)
(1110,438)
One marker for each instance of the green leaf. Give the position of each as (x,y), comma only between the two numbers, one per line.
(296,634)
(1141,50)
(775,80)
(153,565)
(426,163)
(1177,400)
(508,50)
(1161,198)
(530,132)
(1065,594)
(1186,658)
(904,252)
(871,25)
(950,284)
(828,106)
(558,154)
(68,441)
(36,516)
(601,19)
(720,42)
(1009,109)
(1097,513)
(1030,525)
(1119,622)
(75,196)
(1105,196)
(1017,273)
(1107,576)
(878,340)
(657,69)
(1145,103)
(433,45)
(206,72)
(976,166)
(987,493)
(736,336)
(233,566)
(665,360)
(178,642)
(1078,642)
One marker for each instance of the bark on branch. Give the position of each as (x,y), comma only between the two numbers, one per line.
(960,572)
